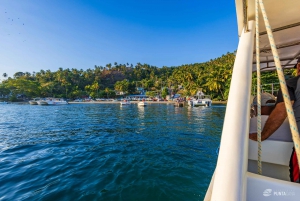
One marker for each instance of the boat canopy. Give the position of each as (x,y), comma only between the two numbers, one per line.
(285,26)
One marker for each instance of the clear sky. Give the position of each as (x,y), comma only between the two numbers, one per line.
(48,34)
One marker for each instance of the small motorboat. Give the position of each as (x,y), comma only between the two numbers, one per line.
(125,102)
(34,101)
(52,101)
(142,103)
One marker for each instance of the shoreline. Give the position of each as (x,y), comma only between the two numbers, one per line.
(136,102)
(118,102)
(219,102)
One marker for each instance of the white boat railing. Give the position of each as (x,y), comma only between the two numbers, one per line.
(230,179)
(271,88)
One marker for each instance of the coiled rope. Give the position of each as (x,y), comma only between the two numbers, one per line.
(259,166)
(286,97)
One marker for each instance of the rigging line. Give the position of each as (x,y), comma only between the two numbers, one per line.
(285,94)
(259,166)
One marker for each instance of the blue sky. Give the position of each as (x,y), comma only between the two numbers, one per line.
(48,34)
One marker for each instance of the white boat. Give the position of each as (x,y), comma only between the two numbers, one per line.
(200,100)
(125,102)
(3,102)
(34,101)
(235,178)
(142,104)
(52,101)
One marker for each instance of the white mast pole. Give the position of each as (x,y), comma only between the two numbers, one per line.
(230,182)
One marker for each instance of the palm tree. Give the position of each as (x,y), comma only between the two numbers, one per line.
(108,66)
(18,74)
(106,91)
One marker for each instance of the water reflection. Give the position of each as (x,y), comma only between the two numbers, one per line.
(125,106)
(105,152)
(141,112)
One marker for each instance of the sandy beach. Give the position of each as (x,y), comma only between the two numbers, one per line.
(118,102)
(136,102)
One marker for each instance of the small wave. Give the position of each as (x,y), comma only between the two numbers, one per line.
(40,190)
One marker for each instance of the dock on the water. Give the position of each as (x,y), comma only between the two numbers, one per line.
(179,104)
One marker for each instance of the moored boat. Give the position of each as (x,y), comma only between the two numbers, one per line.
(3,102)
(125,102)
(52,101)
(142,103)
(200,99)
(34,101)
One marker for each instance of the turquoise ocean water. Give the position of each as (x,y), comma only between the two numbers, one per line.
(107,152)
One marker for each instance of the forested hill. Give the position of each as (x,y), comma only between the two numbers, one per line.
(212,77)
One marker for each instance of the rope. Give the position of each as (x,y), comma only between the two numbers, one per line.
(286,97)
(259,166)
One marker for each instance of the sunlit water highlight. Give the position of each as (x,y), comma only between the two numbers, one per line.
(107,152)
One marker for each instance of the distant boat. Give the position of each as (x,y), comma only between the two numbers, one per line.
(125,102)
(4,102)
(200,100)
(34,101)
(142,103)
(52,101)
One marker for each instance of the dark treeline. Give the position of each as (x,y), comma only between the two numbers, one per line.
(212,77)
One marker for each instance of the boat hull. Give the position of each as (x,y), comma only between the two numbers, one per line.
(33,102)
(52,102)
(125,103)
(42,103)
(60,103)
(197,103)
(142,104)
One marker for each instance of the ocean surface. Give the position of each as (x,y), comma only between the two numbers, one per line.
(107,152)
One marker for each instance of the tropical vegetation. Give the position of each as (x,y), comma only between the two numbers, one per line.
(212,77)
